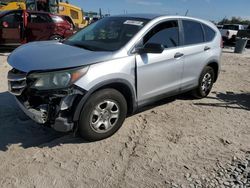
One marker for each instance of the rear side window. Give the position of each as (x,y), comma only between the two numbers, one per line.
(209,33)
(166,33)
(193,33)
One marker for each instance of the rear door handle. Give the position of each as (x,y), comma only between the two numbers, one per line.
(207,48)
(178,55)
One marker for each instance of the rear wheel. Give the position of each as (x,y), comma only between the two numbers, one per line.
(206,82)
(102,115)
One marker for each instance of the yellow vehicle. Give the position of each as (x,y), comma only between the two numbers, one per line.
(52,6)
(12,6)
(74,12)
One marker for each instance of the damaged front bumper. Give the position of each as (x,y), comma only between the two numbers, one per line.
(53,107)
(57,112)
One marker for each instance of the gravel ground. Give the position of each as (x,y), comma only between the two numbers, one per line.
(179,142)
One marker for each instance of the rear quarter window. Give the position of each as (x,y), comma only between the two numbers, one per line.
(193,32)
(209,33)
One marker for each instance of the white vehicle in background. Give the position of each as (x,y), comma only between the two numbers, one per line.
(230,31)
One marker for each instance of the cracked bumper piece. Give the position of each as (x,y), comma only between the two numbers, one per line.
(41,116)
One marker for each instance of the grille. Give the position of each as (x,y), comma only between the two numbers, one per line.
(16,82)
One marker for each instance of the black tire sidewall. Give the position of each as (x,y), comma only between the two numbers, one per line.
(85,128)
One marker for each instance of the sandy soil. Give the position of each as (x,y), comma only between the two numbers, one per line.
(155,148)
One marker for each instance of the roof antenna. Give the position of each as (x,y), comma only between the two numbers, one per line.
(187,12)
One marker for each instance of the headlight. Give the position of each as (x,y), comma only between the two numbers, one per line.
(57,79)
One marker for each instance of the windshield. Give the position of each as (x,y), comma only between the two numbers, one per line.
(108,34)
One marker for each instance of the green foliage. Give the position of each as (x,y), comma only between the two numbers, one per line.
(234,20)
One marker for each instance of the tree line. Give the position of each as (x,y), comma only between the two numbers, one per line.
(234,20)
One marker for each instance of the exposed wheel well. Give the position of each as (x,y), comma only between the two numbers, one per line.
(215,67)
(125,91)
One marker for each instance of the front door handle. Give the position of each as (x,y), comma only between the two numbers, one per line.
(207,48)
(178,55)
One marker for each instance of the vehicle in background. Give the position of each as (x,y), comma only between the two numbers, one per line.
(4,6)
(93,20)
(244,34)
(76,14)
(107,71)
(219,26)
(50,6)
(68,18)
(19,26)
(229,32)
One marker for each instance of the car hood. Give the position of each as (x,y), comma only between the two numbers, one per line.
(51,55)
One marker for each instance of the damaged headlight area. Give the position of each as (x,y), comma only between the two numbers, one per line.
(57,79)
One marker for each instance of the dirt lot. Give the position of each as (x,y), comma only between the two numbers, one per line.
(174,143)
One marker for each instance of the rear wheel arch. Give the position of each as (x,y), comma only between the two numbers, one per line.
(215,66)
(123,86)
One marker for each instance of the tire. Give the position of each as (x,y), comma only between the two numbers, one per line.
(102,115)
(206,82)
(56,37)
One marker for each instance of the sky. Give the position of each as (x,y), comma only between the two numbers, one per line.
(207,9)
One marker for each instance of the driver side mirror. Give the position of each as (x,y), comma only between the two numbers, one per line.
(153,48)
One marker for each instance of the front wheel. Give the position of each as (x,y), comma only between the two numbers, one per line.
(102,115)
(206,82)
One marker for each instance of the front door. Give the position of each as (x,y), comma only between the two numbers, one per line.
(10,26)
(160,74)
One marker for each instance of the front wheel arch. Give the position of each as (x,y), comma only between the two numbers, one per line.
(123,86)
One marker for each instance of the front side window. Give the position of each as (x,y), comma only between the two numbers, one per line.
(166,33)
(107,34)
(193,32)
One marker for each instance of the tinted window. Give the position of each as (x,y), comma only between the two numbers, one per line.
(39,18)
(11,20)
(231,27)
(193,33)
(166,33)
(209,33)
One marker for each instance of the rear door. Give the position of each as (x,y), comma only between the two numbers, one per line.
(39,27)
(10,26)
(196,50)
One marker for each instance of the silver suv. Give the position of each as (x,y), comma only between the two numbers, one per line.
(92,81)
